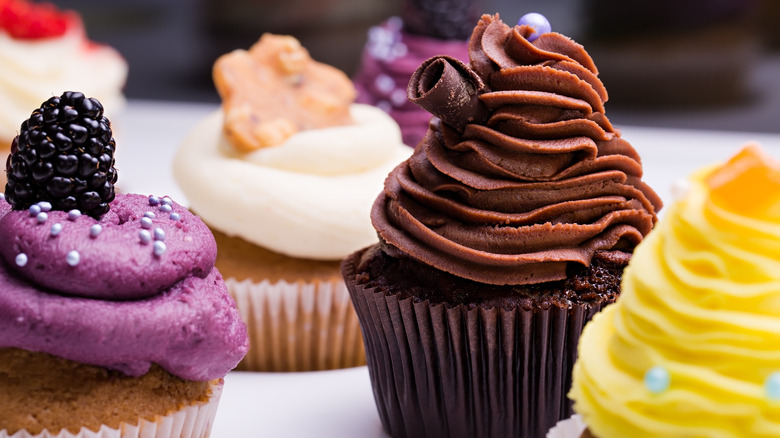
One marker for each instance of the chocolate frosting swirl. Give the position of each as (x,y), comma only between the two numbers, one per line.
(520,173)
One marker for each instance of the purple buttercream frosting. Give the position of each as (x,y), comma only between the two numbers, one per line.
(390,57)
(190,326)
(104,270)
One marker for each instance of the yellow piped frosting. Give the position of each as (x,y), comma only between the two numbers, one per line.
(701,300)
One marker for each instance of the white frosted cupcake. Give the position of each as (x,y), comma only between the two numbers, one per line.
(44,52)
(285,174)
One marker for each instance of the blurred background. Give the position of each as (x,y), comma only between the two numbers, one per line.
(705,64)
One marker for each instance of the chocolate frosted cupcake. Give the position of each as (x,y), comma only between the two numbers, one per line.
(396,48)
(501,236)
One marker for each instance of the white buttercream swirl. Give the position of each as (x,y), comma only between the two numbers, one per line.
(309,197)
(31,71)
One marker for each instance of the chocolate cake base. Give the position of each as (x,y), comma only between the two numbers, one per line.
(450,357)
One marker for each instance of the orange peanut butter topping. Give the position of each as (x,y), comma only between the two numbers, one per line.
(276,89)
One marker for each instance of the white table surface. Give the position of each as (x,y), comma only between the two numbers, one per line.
(340,403)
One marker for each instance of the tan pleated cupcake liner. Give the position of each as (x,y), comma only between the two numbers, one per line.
(298,326)
(453,371)
(193,421)
(569,428)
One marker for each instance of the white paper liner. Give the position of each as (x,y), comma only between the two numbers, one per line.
(298,326)
(569,428)
(191,422)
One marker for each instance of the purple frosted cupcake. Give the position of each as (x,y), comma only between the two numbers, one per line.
(398,46)
(113,319)
(503,234)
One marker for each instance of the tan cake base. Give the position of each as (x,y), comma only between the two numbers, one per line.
(298,312)
(40,391)
(242,260)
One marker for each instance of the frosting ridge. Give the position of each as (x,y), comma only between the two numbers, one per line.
(135,272)
(520,172)
(314,207)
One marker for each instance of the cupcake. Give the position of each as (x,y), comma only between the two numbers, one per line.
(399,45)
(113,319)
(44,50)
(284,174)
(690,348)
(507,229)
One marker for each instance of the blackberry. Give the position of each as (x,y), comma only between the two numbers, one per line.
(64,154)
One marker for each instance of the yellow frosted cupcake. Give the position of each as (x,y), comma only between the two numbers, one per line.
(690,347)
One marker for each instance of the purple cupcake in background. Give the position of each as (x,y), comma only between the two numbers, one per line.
(399,45)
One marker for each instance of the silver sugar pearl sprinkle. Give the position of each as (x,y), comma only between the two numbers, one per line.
(146,222)
(73,258)
(174,216)
(42,217)
(159,234)
(166,201)
(95,229)
(34,210)
(159,248)
(74,214)
(21,259)
(145,236)
(45,206)
(154,200)
(166,208)
(2,196)
(149,214)
(56,228)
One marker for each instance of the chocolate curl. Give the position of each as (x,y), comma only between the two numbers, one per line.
(448,89)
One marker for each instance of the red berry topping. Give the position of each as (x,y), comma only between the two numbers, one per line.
(28,20)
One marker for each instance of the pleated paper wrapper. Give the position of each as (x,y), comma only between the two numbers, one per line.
(298,326)
(454,371)
(569,428)
(193,421)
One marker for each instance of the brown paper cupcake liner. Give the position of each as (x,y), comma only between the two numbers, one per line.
(298,326)
(457,371)
(193,421)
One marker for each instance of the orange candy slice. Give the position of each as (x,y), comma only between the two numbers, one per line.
(749,184)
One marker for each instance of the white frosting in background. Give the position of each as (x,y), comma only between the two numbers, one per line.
(309,197)
(31,71)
